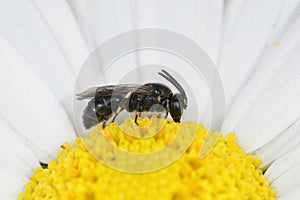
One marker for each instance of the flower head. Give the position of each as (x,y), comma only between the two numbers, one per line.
(226,173)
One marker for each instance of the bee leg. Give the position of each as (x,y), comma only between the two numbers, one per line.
(166,114)
(114,118)
(104,123)
(167,109)
(117,113)
(137,114)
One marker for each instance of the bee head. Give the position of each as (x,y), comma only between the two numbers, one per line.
(177,105)
(172,80)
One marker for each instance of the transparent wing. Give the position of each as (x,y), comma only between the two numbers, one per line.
(119,90)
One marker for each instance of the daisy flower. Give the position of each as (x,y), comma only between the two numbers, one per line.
(255,46)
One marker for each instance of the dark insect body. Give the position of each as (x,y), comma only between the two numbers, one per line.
(108,101)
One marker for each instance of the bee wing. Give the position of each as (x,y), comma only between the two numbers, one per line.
(119,90)
(87,94)
(91,92)
(124,89)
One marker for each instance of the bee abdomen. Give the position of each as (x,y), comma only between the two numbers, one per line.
(97,111)
(89,116)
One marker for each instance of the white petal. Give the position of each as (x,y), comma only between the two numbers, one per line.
(284,173)
(12,184)
(29,107)
(15,154)
(291,195)
(277,62)
(17,163)
(101,20)
(272,59)
(248,27)
(24,27)
(289,11)
(61,21)
(199,20)
(275,108)
(281,144)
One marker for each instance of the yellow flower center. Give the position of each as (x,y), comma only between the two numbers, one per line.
(227,172)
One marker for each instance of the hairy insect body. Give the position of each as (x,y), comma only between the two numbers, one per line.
(142,102)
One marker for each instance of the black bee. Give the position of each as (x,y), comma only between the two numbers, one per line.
(108,101)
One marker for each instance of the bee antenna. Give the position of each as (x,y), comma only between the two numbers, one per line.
(172,80)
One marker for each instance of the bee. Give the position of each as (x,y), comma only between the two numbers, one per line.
(108,101)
